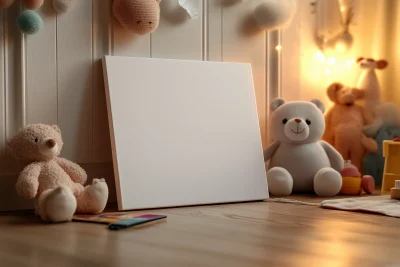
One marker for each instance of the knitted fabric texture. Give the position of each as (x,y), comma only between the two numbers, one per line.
(139,16)
(30,22)
(33,4)
(6,3)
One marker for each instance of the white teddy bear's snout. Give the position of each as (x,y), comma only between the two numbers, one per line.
(296,129)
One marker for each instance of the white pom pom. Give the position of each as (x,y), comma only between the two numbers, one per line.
(275,14)
(63,6)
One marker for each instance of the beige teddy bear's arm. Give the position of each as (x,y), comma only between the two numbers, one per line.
(269,151)
(28,181)
(77,174)
(336,159)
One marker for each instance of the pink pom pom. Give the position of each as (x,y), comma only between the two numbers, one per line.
(33,4)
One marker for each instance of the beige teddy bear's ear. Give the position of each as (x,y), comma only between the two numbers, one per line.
(319,104)
(55,127)
(276,103)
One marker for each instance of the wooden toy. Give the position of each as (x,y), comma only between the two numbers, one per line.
(353,183)
(391,171)
(395,191)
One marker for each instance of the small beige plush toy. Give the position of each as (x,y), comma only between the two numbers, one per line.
(56,184)
(139,16)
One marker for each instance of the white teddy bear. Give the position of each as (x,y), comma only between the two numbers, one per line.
(300,162)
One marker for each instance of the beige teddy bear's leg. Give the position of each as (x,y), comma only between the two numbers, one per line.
(56,205)
(93,198)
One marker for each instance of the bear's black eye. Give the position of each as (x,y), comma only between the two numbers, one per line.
(284,121)
(36,140)
(308,122)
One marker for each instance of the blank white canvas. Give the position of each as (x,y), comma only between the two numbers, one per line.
(183,132)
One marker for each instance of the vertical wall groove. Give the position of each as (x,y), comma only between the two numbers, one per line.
(2,82)
(23,79)
(205,55)
(93,65)
(57,76)
(222,32)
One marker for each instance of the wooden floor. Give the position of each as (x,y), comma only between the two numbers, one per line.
(247,234)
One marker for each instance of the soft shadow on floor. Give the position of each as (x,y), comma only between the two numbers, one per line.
(312,198)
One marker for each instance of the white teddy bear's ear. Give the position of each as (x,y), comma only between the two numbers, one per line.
(276,103)
(319,104)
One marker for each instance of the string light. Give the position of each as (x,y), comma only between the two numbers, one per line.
(278,47)
(331,60)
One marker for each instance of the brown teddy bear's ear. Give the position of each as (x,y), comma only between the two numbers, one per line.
(55,127)
(332,90)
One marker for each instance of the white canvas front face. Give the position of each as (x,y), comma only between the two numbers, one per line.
(183,132)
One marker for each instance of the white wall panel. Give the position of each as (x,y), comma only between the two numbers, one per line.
(101,47)
(13,71)
(75,94)
(127,43)
(41,70)
(2,87)
(213,28)
(241,42)
(177,36)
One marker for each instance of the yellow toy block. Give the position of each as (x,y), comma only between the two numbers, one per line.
(391,171)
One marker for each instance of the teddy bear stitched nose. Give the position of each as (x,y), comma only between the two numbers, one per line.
(297,120)
(51,143)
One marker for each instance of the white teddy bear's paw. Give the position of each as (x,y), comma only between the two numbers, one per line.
(60,205)
(96,180)
(98,193)
(280,182)
(327,182)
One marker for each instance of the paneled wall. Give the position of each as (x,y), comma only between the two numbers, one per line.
(55,76)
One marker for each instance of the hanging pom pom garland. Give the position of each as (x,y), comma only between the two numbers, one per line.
(29,22)
(63,6)
(6,3)
(275,14)
(33,4)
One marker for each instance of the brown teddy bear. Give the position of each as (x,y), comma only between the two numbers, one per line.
(55,183)
(344,124)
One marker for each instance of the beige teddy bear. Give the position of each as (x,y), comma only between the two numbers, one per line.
(55,183)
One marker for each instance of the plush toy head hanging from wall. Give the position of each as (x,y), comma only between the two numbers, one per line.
(6,3)
(139,16)
(275,14)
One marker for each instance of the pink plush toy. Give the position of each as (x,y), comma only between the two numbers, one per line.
(55,183)
(33,4)
(344,124)
(29,4)
(6,3)
(139,16)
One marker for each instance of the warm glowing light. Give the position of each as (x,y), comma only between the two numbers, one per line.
(320,56)
(278,47)
(342,8)
(340,47)
(331,60)
(327,71)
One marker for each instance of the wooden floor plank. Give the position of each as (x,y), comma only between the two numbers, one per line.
(247,234)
